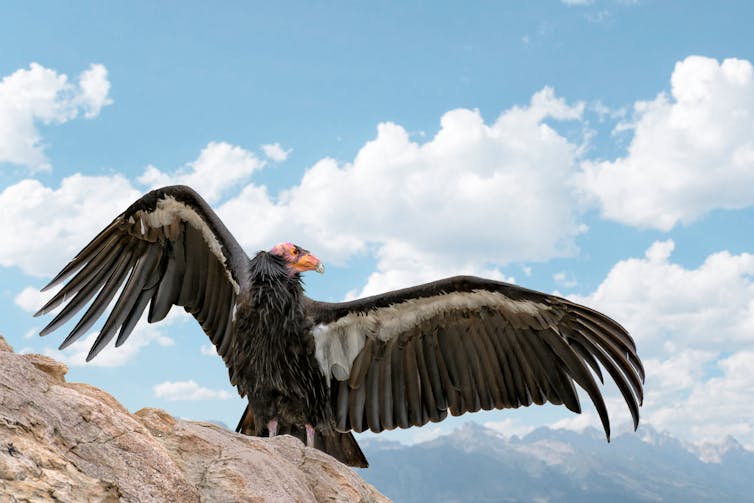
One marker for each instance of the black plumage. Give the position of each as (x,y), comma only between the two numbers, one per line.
(320,370)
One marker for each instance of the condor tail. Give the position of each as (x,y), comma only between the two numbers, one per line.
(341,446)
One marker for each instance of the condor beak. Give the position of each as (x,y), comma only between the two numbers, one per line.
(309,262)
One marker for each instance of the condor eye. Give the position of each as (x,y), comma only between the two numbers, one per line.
(294,251)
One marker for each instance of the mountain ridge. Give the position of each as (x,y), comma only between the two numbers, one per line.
(475,463)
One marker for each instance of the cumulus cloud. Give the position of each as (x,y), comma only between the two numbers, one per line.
(692,150)
(44,227)
(490,193)
(472,198)
(208,350)
(219,167)
(187,390)
(41,95)
(565,279)
(702,397)
(694,329)
(275,152)
(94,91)
(143,335)
(30,299)
(662,302)
(399,265)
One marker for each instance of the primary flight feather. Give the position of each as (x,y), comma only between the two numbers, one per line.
(319,370)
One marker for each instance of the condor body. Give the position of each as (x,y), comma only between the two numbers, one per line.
(321,370)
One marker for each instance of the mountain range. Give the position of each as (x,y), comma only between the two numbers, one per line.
(477,464)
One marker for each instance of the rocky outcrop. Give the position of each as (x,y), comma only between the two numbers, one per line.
(63,441)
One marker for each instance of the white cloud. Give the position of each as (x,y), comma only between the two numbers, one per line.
(275,152)
(41,95)
(219,167)
(491,194)
(692,151)
(401,266)
(565,279)
(682,400)
(208,350)
(667,307)
(473,197)
(694,330)
(95,90)
(605,112)
(143,335)
(187,390)
(44,227)
(30,299)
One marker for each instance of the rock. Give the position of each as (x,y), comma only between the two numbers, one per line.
(57,370)
(73,442)
(4,346)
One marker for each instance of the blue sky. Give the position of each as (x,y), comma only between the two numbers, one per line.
(602,150)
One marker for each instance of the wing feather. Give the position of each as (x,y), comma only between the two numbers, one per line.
(478,367)
(463,344)
(386,386)
(509,369)
(617,375)
(529,379)
(357,398)
(491,367)
(342,407)
(447,350)
(429,343)
(130,293)
(81,279)
(84,294)
(98,244)
(616,356)
(168,248)
(429,405)
(400,406)
(372,403)
(411,374)
(101,302)
(451,390)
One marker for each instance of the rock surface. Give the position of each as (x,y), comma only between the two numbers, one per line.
(64,441)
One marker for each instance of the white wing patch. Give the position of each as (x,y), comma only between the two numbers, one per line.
(338,343)
(165,214)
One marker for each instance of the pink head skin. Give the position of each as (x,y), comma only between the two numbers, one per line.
(299,260)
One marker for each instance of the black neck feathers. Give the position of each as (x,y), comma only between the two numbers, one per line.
(275,292)
(272,271)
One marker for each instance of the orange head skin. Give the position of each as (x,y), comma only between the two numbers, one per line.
(299,260)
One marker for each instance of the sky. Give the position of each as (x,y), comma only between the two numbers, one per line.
(601,150)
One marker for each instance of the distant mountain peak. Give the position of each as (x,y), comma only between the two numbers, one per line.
(476,463)
(711,452)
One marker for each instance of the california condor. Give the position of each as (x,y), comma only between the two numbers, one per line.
(320,370)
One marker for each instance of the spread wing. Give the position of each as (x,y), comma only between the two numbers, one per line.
(168,248)
(462,344)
